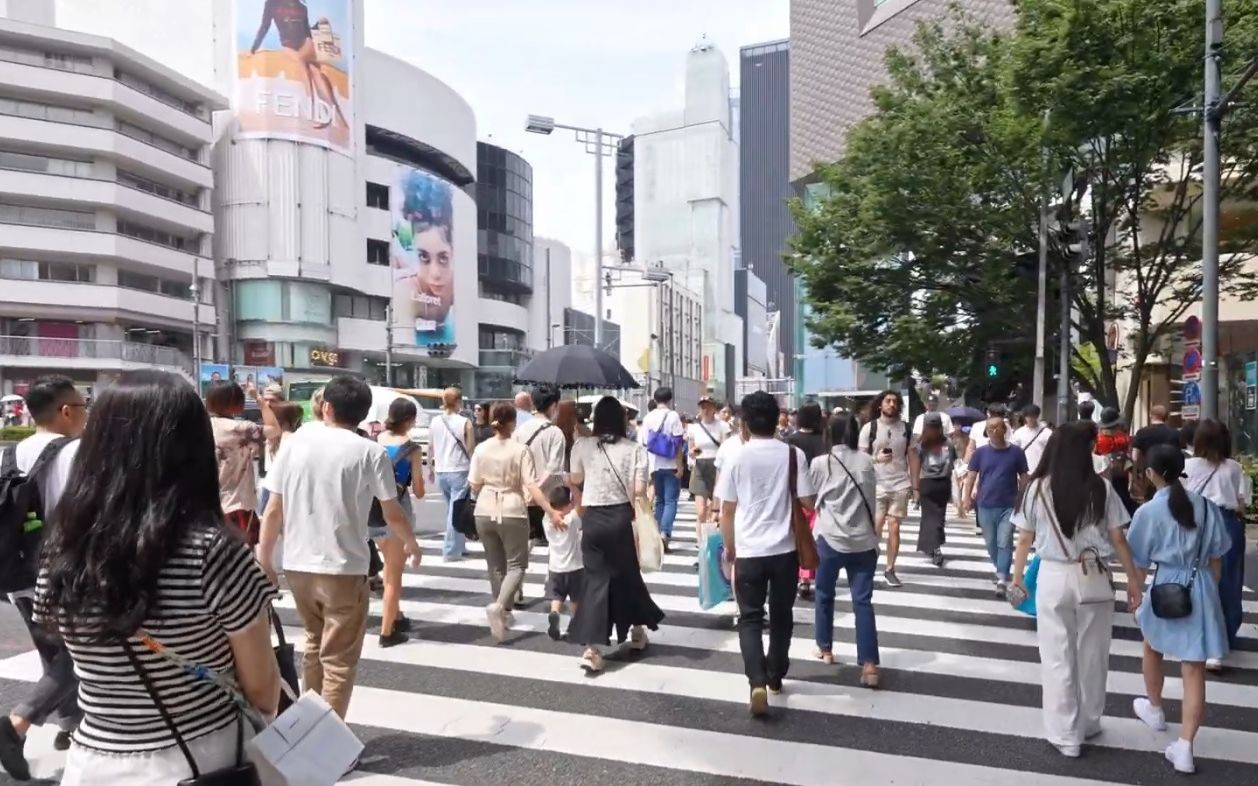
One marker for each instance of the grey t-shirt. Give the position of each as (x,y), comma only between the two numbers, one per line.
(843,506)
(937,463)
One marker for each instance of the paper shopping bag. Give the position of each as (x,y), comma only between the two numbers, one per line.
(307,745)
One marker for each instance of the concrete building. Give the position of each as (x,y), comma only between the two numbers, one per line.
(685,189)
(552,293)
(661,332)
(106,230)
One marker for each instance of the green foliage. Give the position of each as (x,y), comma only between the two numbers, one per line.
(15,433)
(910,262)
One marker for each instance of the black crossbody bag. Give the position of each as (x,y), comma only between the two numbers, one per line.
(242,773)
(1172,601)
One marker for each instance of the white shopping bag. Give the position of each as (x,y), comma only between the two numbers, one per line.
(307,745)
(647,534)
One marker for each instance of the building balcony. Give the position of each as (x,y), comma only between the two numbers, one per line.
(68,245)
(89,354)
(98,303)
(82,191)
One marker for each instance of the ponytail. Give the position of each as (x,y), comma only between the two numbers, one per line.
(1180,505)
(1168,463)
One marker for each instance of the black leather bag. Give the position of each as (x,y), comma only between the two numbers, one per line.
(1171,601)
(464,516)
(285,657)
(242,773)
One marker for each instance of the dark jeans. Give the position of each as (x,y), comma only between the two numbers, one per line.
(1232,576)
(667,490)
(57,690)
(756,579)
(860,567)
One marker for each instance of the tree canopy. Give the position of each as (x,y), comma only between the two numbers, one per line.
(922,255)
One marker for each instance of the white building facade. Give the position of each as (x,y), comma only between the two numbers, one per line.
(686,205)
(661,332)
(552,293)
(106,223)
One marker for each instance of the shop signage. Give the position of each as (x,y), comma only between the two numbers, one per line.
(324,356)
(259,353)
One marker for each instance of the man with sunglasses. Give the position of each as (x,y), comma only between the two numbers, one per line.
(60,413)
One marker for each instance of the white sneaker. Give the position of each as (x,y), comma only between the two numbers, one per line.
(1179,754)
(1153,717)
(1069,751)
(497,621)
(1215,665)
(637,639)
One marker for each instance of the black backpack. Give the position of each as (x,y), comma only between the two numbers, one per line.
(873,435)
(22,517)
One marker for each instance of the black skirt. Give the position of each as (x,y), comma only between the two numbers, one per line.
(935,493)
(613,594)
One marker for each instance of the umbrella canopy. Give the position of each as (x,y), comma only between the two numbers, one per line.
(966,415)
(11,398)
(575,366)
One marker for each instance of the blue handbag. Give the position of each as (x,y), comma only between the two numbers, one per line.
(1029,579)
(663,444)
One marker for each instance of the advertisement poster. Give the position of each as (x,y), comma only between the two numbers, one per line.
(293,60)
(421,255)
(211,373)
(255,379)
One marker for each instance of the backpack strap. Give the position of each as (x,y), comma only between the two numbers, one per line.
(46,456)
(8,464)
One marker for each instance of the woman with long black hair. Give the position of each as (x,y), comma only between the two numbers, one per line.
(932,479)
(141,578)
(1181,533)
(1075,520)
(608,474)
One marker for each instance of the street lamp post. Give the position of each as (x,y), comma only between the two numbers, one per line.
(598,143)
(194,292)
(1213,111)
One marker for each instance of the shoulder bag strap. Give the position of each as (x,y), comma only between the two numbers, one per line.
(715,441)
(1201,489)
(792,474)
(457,439)
(1052,518)
(545,426)
(612,466)
(161,708)
(1201,538)
(864,500)
(1037,436)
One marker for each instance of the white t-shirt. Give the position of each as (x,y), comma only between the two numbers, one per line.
(730,448)
(564,545)
(1225,487)
(52,482)
(708,442)
(1032,441)
(919,423)
(446,433)
(757,481)
(892,475)
(328,478)
(1037,515)
(664,420)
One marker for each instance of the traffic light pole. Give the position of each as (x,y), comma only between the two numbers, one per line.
(1213,112)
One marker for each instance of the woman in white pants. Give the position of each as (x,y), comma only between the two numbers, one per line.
(1075,521)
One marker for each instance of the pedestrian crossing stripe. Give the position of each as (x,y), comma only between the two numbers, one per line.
(960,700)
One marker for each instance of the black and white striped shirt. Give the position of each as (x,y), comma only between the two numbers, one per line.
(209,588)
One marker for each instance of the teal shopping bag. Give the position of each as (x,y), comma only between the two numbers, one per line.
(1029,579)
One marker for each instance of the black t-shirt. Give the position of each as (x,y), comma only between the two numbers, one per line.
(811,443)
(1156,434)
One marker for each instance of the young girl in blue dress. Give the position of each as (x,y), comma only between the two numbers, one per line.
(1184,535)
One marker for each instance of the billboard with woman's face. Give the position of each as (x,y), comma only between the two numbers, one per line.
(294,60)
(421,255)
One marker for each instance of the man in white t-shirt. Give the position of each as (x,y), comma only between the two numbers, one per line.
(451,441)
(888,440)
(756,527)
(1032,436)
(919,423)
(60,414)
(322,485)
(665,471)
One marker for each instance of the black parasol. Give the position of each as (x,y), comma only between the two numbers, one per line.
(575,366)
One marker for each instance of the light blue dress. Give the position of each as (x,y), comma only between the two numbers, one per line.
(1157,538)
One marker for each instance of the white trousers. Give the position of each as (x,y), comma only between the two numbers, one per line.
(164,767)
(1074,643)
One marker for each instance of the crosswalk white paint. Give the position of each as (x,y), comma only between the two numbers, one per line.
(959,702)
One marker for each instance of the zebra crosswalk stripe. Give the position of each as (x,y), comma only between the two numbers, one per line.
(960,701)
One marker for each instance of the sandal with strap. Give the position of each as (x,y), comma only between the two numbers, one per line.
(869,679)
(825,657)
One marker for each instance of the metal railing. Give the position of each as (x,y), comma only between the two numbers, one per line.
(94,349)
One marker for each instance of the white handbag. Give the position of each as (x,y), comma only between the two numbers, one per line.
(307,745)
(1098,581)
(647,534)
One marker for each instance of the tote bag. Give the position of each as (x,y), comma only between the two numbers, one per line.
(307,745)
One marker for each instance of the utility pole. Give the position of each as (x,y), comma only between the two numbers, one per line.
(195,292)
(1213,112)
(388,344)
(550,333)
(598,238)
(1063,341)
(1041,297)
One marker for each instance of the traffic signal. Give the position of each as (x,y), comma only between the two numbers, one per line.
(992,364)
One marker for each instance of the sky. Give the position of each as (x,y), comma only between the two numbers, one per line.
(583,62)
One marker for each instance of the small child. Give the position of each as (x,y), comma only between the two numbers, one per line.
(566,571)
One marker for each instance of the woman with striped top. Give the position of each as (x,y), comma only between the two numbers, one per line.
(138,562)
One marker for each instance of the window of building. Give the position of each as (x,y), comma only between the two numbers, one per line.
(377,196)
(47,217)
(156,140)
(53,166)
(488,293)
(45,59)
(157,189)
(34,270)
(378,252)
(158,236)
(360,307)
(53,112)
(283,301)
(154,92)
(500,338)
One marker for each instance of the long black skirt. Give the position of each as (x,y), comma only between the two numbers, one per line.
(935,494)
(613,594)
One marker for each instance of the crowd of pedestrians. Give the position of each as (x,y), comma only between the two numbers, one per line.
(155,557)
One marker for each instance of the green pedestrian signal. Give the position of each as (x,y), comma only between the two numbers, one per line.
(993,370)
